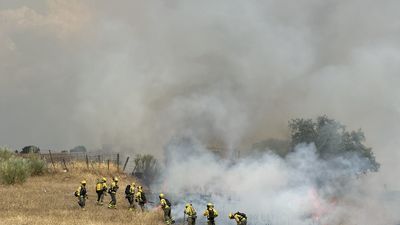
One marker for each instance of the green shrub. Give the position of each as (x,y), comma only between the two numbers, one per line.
(37,166)
(5,154)
(14,170)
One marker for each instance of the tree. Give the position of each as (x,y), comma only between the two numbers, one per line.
(146,167)
(331,139)
(302,131)
(78,149)
(30,149)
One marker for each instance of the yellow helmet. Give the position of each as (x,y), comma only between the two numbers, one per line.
(230,215)
(104,179)
(115,179)
(83,182)
(187,205)
(210,205)
(133,184)
(161,195)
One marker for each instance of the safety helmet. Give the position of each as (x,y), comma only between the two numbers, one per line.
(115,179)
(210,205)
(230,215)
(83,182)
(140,187)
(161,195)
(133,184)
(104,179)
(187,205)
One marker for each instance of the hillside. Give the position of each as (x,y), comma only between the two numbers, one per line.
(49,200)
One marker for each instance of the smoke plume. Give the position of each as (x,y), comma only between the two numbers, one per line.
(297,189)
(129,76)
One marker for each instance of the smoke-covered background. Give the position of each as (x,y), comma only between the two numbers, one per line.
(130,75)
(300,189)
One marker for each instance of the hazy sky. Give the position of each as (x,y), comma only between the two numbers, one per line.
(132,75)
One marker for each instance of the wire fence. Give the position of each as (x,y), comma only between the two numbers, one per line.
(93,160)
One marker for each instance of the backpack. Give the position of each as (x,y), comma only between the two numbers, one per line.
(168,202)
(211,214)
(99,186)
(242,215)
(143,197)
(128,189)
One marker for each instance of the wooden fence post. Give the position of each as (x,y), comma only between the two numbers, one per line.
(118,162)
(108,164)
(52,162)
(126,162)
(87,161)
(65,166)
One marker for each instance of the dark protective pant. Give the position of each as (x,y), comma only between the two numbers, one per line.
(100,196)
(167,215)
(131,201)
(142,207)
(113,199)
(211,222)
(243,222)
(191,220)
(82,201)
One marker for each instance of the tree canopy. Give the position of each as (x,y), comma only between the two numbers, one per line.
(30,149)
(78,149)
(331,139)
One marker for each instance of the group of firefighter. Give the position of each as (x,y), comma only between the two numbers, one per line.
(136,194)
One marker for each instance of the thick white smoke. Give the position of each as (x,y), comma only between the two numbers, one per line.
(300,189)
(129,75)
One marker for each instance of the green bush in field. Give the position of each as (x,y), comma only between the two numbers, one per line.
(37,166)
(5,154)
(14,170)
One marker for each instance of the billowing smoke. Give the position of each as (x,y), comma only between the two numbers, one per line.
(298,189)
(131,75)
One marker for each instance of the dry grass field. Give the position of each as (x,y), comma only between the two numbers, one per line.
(49,200)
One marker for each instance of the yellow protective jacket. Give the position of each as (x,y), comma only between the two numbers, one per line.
(190,211)
(105,187)
(132,190)
(163,203)
(139,197)
(238,218)
(210,213)
(114,187)
(81,191)
(99,186)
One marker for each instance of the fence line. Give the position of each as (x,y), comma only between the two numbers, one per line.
(90,157)
(93,160)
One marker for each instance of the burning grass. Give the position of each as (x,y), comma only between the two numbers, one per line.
(49,200)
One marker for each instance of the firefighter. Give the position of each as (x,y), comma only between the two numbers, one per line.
(130,195)
(191,214)
(166,207)
(101,190)
(140,198)
(240,218)
(113,192)
(81,194)
(210,213)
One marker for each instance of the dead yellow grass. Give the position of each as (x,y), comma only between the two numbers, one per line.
(49,200)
